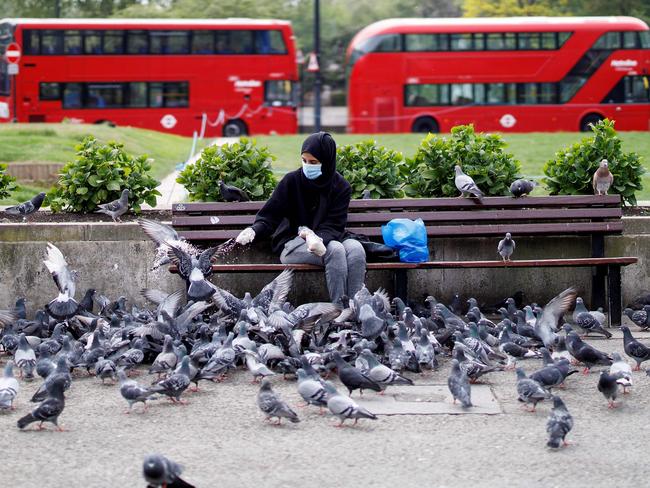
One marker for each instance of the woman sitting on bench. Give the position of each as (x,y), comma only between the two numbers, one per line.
(306,216)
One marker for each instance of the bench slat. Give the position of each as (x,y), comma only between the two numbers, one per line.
(428,217)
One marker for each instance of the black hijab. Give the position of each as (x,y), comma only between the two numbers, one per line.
(321,145)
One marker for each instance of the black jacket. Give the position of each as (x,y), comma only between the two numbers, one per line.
(320,204)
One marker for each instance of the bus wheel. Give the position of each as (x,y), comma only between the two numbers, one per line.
(107,123)
(589,119)
(425,124)
(234,128)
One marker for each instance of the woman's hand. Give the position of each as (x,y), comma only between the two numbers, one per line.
(314,243)
(246,236)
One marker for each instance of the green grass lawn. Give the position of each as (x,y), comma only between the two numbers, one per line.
(56,142)
(532,149)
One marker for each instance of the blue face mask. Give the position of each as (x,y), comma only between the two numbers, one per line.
(312,171)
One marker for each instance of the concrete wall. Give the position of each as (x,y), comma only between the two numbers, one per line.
(115,259)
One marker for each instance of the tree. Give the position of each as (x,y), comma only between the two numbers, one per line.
(516,8)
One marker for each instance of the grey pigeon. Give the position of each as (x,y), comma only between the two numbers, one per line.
(371,325)
(589,321)
(116,208)
(61,371)
(64,305)
(231,193)
(529,391)
(383,375)
(164,236)
(166,360)
(640,318)
(194,270)
(105,369)
(9,387)
(312,391)
(521,187)
(635,349)
(585,353)
(272,405)
(553,375)
(366,195)
(465,184)
(608,386)
(257,368)
(559,424)
(459,386)
(158,471)
(175,384)
(546,324)
(28,207)
(602,179)
(352,378)
(132,392)
(345,407)
(50,409)
(25,358)
(506,247)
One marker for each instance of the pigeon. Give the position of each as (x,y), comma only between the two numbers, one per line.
(164,236)
(529,390)
(270,403)
(622,371)
(383,375)
(466,185)
(166,360)
(311,390)
(61,371)
(635,349)
(231,193)
(589,321)
(559,424)
(585,353)
(64,305)
(50,409)
(132,392)
(116,208)
(345,407)
(546,324)
(9,387)
(640,318)
(608,386)
(256,368)
(553,375)
(602,179)
(459,386)
(175,384)
(105,369)
(521,187)
(352,378)
(506,247)
(158,471)
(27,208)
(366,195)
(25,358)
(194,270)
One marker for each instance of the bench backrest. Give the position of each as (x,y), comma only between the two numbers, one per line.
(443,217)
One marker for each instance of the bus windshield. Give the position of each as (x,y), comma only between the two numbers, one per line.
(5,38)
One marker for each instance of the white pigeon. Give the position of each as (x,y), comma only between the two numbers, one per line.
(466,185)
(622,370)
(9,387)
(256,368)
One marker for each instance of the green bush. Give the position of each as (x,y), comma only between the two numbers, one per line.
(572,169)
(98,175)
(368,166)
(431,170)
(7,182)
(242,164)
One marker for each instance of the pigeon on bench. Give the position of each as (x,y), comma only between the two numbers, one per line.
(521,187)
(602,179)
(466,185)
(231,193)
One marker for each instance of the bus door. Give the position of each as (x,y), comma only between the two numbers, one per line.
(386,114)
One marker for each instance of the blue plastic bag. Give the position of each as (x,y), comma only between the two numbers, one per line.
(409,237)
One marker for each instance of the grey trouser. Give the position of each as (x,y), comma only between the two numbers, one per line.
(345,264)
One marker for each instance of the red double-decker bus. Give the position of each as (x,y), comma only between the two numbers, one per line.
(507,74)
(220,77)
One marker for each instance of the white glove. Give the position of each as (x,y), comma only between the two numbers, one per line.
(314,243)
(246,236)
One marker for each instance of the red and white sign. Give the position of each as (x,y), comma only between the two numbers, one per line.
(12,54)
(312,66)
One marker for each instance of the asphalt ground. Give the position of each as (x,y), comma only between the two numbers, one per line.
(221,439)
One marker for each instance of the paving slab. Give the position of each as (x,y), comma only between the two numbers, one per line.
(430,399)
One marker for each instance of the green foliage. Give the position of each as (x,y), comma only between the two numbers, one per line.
(482,156)
(7,182)
(98,175)
(571,171)
(242,164)
(369,166)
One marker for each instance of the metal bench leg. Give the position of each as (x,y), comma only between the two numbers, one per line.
(400,278)
(614,295)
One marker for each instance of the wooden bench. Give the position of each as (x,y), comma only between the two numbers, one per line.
(593,217)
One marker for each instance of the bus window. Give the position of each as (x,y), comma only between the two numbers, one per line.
(175,94)
(269,42)
(137,94)
(461,94)
(32,41)
(461,42)
(479,41)
(528,40)
(72,42)
(168,42)
(636,89)
(278,93)
(52,42)
(4,79)
(421,42)
(527,93)
(72,95)
(241,41)
(547,93)
(630,40)
(569,86)
(49,91)
(155,95)
(496,93)
(610,40)
(202,42)
(104,95)
(426,95)
(137,42)
(549,40)
(92,42)
(644,38)
(479,94)
(495,41)
(113,42)
(510,41)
